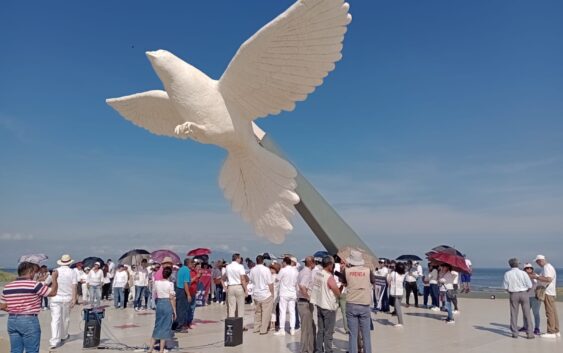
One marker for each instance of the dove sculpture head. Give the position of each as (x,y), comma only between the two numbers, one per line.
(278,66)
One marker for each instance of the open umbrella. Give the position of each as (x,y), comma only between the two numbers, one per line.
(159,255)
(320,254)
(90,261)
(444,249)
(269,256)
(408,257)
(33,258)
(199,252)
(134,257)
(370,261)
(202,259)
(457,262)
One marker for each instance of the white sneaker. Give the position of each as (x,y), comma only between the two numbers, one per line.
(279,333)
(558,334)
(456,311)
(292,332)
(398,325)
(435,309)
(548,335)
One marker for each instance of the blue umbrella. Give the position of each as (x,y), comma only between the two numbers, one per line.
(320,254)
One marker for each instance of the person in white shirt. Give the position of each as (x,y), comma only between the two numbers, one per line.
(95,281)
(434,289)
(119,282)
(274,321)
(396,280)
(78,272)
(548,279)
(288,295)
(236,290)
(304,306)
(62,302)
(111,269)
(410,283)
(263,295)
(141,282)
(517,283)
(83,279)
(466,277)
(447,287)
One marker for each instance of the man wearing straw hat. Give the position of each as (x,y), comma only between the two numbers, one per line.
(63,301)
(359,280)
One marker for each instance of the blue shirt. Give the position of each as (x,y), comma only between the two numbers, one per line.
(183,276)
(517,280)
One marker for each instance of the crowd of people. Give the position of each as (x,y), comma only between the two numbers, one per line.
(286,295)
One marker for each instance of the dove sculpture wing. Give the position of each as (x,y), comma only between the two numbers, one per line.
(150,110)
(287,59)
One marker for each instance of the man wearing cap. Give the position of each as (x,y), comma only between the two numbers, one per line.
(63,301)
(359,280)
(548,278)
(325,295)
(517,283)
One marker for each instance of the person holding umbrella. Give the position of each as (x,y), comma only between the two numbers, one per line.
(447,286)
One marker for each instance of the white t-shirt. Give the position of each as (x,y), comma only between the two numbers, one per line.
(468,263)
(234,273)
(288,282)
(66,282)
(120,279)
(384,271)
(456,277)
(549,271)
(447,281)
(260,276)
(141,277)
(95,278)
(433,277)
(163,289)
(395,281)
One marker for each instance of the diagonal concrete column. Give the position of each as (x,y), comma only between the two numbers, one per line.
(332,231)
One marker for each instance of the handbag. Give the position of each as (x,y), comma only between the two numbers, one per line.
(540,293)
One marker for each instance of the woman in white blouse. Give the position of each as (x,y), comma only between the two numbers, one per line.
(164,294)
(447,287)
(396,280)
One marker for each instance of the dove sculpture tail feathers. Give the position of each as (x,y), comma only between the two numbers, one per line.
(260,186)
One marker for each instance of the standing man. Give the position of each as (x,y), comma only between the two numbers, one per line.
(141,282)
(263,295)
(288,295)
(304,306)
(63,302)
(21,298)
(236,290)
(359,280)
(183,296)
(410,283)
(517,283)
(548,278)
(466,277)
(325,295)
(110,275)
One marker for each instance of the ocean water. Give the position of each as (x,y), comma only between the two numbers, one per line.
(490,279)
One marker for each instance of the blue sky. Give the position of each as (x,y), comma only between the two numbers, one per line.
(443,123)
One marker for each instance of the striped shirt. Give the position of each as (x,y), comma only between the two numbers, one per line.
(23,296)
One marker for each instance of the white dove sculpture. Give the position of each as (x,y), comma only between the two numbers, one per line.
(279,65)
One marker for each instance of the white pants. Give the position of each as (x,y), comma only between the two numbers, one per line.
(60,320)
(287,303)
(84,293)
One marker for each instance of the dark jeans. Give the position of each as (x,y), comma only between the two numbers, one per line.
(191,310)
(385,300)
(219,293)
(435,294)
(25,333)
(181,307)
(426,295)
(105,291)
(325,322)
(140,292)
(297,320)
(411,287)
(125,296)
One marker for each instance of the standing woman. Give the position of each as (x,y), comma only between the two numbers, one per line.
(396,280)
(447,288)
(535,304)
(106,283)
(274,322)
(434,290)
(164,294)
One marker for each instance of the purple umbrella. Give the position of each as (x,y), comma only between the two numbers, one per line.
(159,255)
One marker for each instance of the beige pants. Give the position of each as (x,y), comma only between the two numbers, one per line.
(551,313)
(262,314)
(235,297)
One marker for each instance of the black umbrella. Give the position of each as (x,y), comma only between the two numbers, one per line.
(409,257)
(90,261)
(268,256)
(134,257)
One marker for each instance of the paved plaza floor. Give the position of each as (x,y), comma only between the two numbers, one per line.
(482,326)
